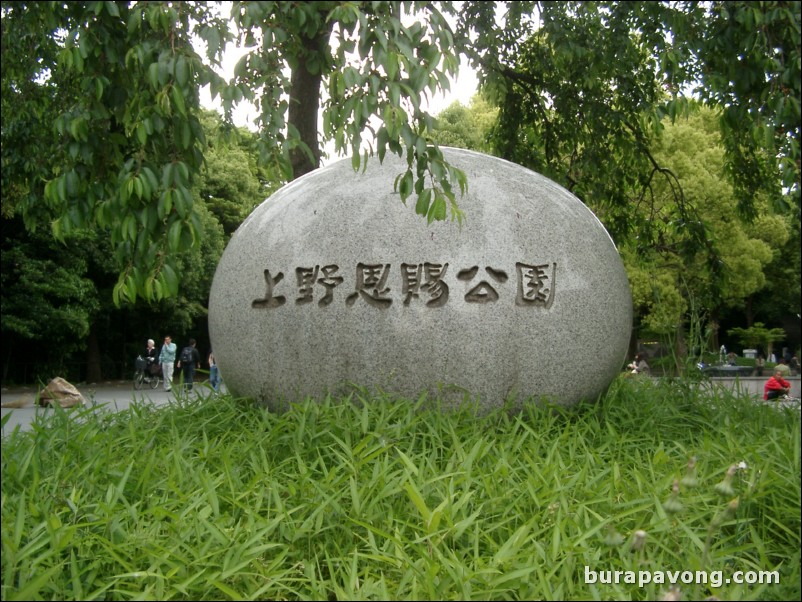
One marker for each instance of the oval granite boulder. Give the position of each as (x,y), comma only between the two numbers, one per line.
(333,282)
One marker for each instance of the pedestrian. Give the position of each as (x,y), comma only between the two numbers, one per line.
(794,365)
(214,373)
(189,360)
(760,364)
(642,364)
(639,365)
(776,387)
(783,367)
(167,361)
(151,358)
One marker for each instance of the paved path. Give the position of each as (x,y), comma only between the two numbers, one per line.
(112,395)
(118,395)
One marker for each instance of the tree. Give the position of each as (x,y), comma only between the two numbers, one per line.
(675,291)
(758,336)
(368,66)
(676,296)
(231,183)
(780,296)
(126,146)
(466,127)
(582,88)
(47,299)
(130,143)
(57,309)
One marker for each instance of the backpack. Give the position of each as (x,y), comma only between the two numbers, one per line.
(186,355)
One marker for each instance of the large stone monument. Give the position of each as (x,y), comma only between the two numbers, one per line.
(333,282)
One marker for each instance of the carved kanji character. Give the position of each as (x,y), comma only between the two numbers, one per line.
(269,301)
(306,284)
(535,284)
(433,284)
(370,285)
(329,281)
(308,277)
(484,291)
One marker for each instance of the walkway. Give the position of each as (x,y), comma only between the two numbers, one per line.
(114,395)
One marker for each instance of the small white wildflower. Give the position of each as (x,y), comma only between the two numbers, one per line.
(638,539)
(742,465)
(673,594)
(672,504)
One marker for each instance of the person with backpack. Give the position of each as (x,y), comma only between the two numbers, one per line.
(189,360)
(167,361)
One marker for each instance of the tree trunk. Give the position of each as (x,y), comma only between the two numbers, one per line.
(680,349)
(633,345)
(305,104)
(749,313)
(93,370)
(715,326)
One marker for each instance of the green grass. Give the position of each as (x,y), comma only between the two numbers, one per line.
(373,498)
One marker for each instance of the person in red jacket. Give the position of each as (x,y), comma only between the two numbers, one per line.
(776,386)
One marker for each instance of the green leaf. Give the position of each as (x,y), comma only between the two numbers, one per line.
(417,500)
(437,211)
(130,288)
(77,60)
(174,236)
(153,182)
(178,100)
(392,65)
(395,94)
(381,143)
(153,75)
(141,134)
(32,589)
(61,188)
(73,183)
(166,203)
(169,279)
(181,71)
(405,185)
(138,190)
(422,206)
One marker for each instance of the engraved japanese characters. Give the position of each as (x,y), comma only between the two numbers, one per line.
(535,285)
(333,282)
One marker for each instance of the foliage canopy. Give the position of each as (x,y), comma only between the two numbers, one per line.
(106,95)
